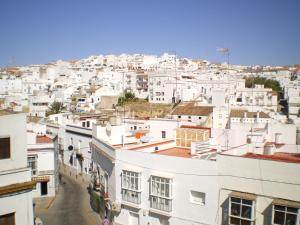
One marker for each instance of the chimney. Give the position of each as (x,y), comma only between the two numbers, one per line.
(277,138)
(193,148)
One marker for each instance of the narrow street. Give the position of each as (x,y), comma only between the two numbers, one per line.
(71,206)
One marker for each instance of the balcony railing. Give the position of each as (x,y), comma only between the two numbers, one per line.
(161,204)
(131,196)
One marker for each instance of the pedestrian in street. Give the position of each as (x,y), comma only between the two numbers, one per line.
(59,177)
(105,221)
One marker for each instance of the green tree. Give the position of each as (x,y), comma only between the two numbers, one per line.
(128,97)
(268,83)
(56,107)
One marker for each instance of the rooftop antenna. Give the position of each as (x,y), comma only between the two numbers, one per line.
(12,61)
(175,95)
(123,80)
(225,51)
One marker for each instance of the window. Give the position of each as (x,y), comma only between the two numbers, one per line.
(8,219)
(161,193)
(179,117)
(32,163)
(163,134)
(184,137)
(88,123)
(5,148)
(197,197)
(241,211)
(131,186)
(285,215)
(83,124)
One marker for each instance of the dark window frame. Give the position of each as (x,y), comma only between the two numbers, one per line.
(5,152)
(8,219)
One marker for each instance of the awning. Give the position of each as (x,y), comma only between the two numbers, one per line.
(243,195)
(284,202)
(41,179)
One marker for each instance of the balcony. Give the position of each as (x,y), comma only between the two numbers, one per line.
(131,198)
(162,206)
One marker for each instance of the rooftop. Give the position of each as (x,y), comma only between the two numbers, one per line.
(193,110)
(4,112)
(244,113)
(278,156)
(177,152)
(43,139)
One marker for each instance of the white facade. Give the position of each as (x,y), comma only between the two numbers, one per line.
(15,178)
(181,206)
(42,157)
(202,190)
(76,147)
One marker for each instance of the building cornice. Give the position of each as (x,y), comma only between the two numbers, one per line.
(18,187)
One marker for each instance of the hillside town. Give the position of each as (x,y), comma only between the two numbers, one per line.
(156,139)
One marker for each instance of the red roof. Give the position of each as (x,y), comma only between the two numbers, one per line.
(278,156)
(177,152)
(43,139)
(193,127)
(151,145)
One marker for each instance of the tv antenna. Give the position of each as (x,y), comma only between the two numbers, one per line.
(225,52)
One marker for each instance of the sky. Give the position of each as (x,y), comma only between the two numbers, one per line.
(257,32)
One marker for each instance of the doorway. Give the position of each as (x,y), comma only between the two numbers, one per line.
(44,188)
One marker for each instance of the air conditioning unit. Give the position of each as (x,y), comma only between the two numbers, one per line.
(116,206)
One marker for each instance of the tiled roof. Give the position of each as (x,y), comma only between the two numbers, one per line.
(151,144)
(278,156)
(177,152)
(191,109)
(43,139)
(241,114)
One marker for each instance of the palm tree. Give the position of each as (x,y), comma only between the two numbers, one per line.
(56,107)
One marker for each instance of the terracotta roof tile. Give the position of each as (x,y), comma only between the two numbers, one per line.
(191,109)
(43,139)
(241,114)
(278,156)
(177,152)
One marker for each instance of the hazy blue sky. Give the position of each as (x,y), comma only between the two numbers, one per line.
(256,31)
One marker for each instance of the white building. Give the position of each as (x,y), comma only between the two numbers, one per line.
(39,104)
(143,184)
(16,206)
(196,178)
(292,94)
(42,157)
(76,151)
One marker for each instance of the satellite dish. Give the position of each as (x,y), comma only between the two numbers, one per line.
(70,148)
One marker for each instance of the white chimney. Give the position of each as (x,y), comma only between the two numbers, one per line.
(277,138)
(193,148)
